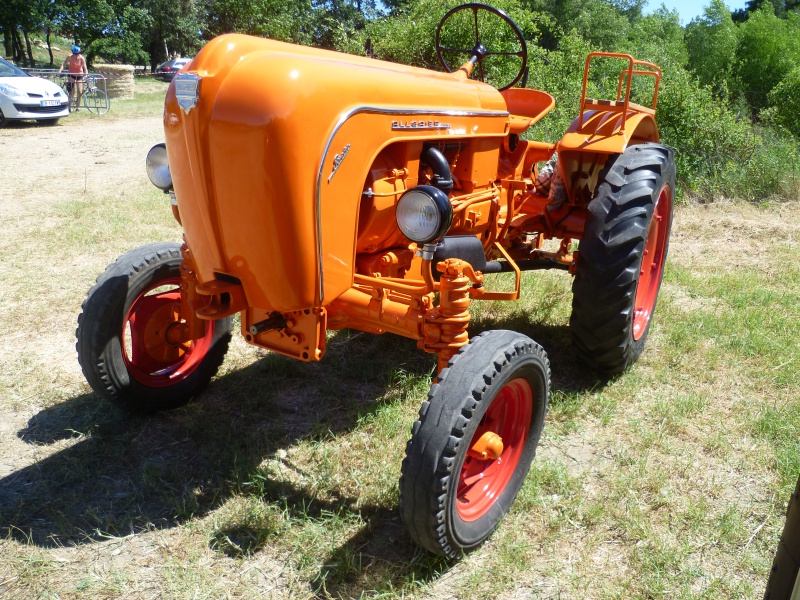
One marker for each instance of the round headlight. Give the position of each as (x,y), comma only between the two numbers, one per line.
(424,214)
(158,167)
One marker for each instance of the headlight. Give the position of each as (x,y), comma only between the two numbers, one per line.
(158,167)
(424,214)
(10,91)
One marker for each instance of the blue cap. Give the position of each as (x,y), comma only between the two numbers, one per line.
(76,49)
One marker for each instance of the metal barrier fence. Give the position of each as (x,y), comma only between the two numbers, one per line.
(95,92)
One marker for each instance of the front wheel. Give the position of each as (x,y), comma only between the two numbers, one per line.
(124,344)
(474,442)
(96,101)
(621,257)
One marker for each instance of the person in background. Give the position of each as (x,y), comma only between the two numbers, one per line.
(76,71)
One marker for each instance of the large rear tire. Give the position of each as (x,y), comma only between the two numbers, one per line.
(123,345)
(453,495)
(622,256)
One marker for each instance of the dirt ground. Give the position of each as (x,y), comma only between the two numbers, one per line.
(40,164)
(103,159)
(73,157)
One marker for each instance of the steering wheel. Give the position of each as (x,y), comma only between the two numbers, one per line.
(470,18)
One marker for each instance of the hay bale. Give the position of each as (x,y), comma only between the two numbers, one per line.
(119,79)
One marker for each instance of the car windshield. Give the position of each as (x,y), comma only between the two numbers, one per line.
(9,70)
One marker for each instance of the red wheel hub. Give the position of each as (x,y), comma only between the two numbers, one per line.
(481,482)
(149,354)
(653,259)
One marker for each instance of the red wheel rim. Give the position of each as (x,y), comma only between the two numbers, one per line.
(653,258)
(149,358)
(481,482)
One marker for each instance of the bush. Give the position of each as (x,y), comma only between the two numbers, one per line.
(785,102)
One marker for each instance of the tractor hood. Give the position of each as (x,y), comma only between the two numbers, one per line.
(269,145)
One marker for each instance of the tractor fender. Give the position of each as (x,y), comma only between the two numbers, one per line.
(592,138)
(609,131)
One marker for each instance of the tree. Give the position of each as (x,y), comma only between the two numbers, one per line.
(658,38)
(768,49)
(175,28)
(603,24)
(290,21)
(18,19)
(85,21)
(711,42)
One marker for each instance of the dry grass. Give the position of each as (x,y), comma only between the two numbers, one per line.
(667,482)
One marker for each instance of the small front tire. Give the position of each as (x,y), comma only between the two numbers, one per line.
(123,345)
(452,494)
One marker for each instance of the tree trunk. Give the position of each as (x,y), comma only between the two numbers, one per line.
(28,46)
(9,45)
(49,49)
(19,52)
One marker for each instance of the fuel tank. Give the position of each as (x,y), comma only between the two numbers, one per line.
(270,159)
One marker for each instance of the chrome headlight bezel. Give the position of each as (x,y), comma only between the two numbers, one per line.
(157,166)
(424,214)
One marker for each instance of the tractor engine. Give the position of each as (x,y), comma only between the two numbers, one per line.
(475,200)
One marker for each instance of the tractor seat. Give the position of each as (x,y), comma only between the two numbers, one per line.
(526,107)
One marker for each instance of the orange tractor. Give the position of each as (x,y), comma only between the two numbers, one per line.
(319,191)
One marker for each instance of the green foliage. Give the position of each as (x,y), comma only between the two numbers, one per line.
(711,42)
(173,29)
(658,38)
(408,35)
(560,74)
(125,41)
(768,49)
(266,18)
(785,102)
(603,24)
(702,128)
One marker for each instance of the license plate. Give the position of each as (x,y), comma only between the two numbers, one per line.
(50,103)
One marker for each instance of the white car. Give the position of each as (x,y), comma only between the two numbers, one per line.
(26,97)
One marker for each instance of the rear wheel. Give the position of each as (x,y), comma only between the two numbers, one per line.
(124,343)
(622,256)
(474,442)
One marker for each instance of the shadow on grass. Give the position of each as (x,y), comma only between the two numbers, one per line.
(130,474)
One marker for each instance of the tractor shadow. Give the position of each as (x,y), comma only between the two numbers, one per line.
(128,474)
